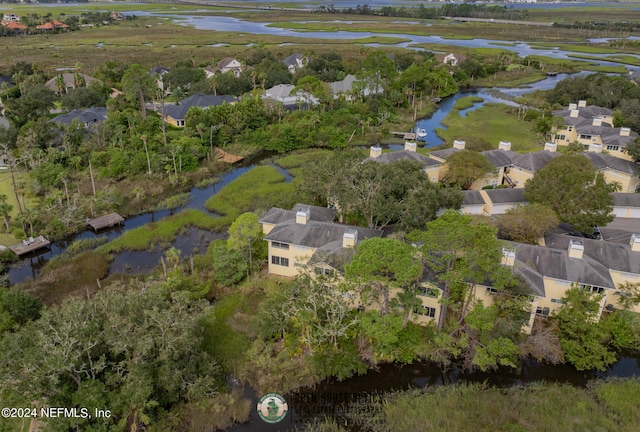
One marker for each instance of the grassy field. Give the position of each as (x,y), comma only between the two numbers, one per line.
(485,127)
(258,189)
(158,40)
(604,406)
(162,232)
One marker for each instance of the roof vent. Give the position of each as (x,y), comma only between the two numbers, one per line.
(596,148)
(504,145)
(573,106)
(410,146)
(303,215)
(350,238)
(574,113)
(459,144)
(508,257)
(576,249)
(582,104)
(625,131)
(550,147)
(597,121)
(635,242)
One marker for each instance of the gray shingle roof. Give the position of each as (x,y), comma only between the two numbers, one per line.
(276,215)
(179,112)
(500,158)
(315,234)
(588,112)
(601,161)
(280,90)
(344,86)
(159,70)
(537,262)
(533,161)
(472,197)
(292,60)
(504,196)
(84,116)
(444,154)
(602,255)
(626,199)
(405,155)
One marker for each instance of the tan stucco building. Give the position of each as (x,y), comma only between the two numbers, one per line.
(592,127)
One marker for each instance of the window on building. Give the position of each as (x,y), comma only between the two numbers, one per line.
(491,290)
(591,288)
(554,300)
(322,271)
(428,292)
(279,245)
(425,311)
(542,311)
(613,148)
(281,261)
(561,137)
(585,137)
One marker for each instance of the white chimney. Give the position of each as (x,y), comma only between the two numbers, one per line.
(303,215)
(375,151)
(625,131)
(635,242)
(459,144)
(582,104)
(410,146)
(551,147)
(597,121)
(350,238)
(574,113)
(508,257)
(596,148)
(504,145)
(576,249)
(573,106)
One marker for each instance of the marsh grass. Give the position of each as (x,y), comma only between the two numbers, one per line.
(258,189)
(162,232)
(175,201)
(537,407)
(83,245)
(65,276)
(466,102)
(485,127)
(299,158)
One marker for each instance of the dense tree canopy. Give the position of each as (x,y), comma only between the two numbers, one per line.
(383,194)
(466,166)
(136,351)
(572,187)
(526,224)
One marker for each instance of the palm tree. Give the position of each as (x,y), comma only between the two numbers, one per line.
(60,85)
(213,82)
(30,215)
(5,209)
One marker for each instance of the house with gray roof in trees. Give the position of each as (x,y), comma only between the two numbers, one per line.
(295,62)
(83,117)
(176,114)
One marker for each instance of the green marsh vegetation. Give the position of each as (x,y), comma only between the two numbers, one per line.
(484,128)
(603,405)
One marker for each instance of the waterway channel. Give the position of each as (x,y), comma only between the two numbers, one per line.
(388,377)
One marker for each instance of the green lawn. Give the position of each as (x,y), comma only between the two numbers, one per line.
(485,127)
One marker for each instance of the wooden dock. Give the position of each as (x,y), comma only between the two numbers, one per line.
(31,245)
(106,221)
(405,135)
(227,157)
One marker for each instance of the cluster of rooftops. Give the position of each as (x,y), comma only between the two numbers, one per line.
(315,239)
